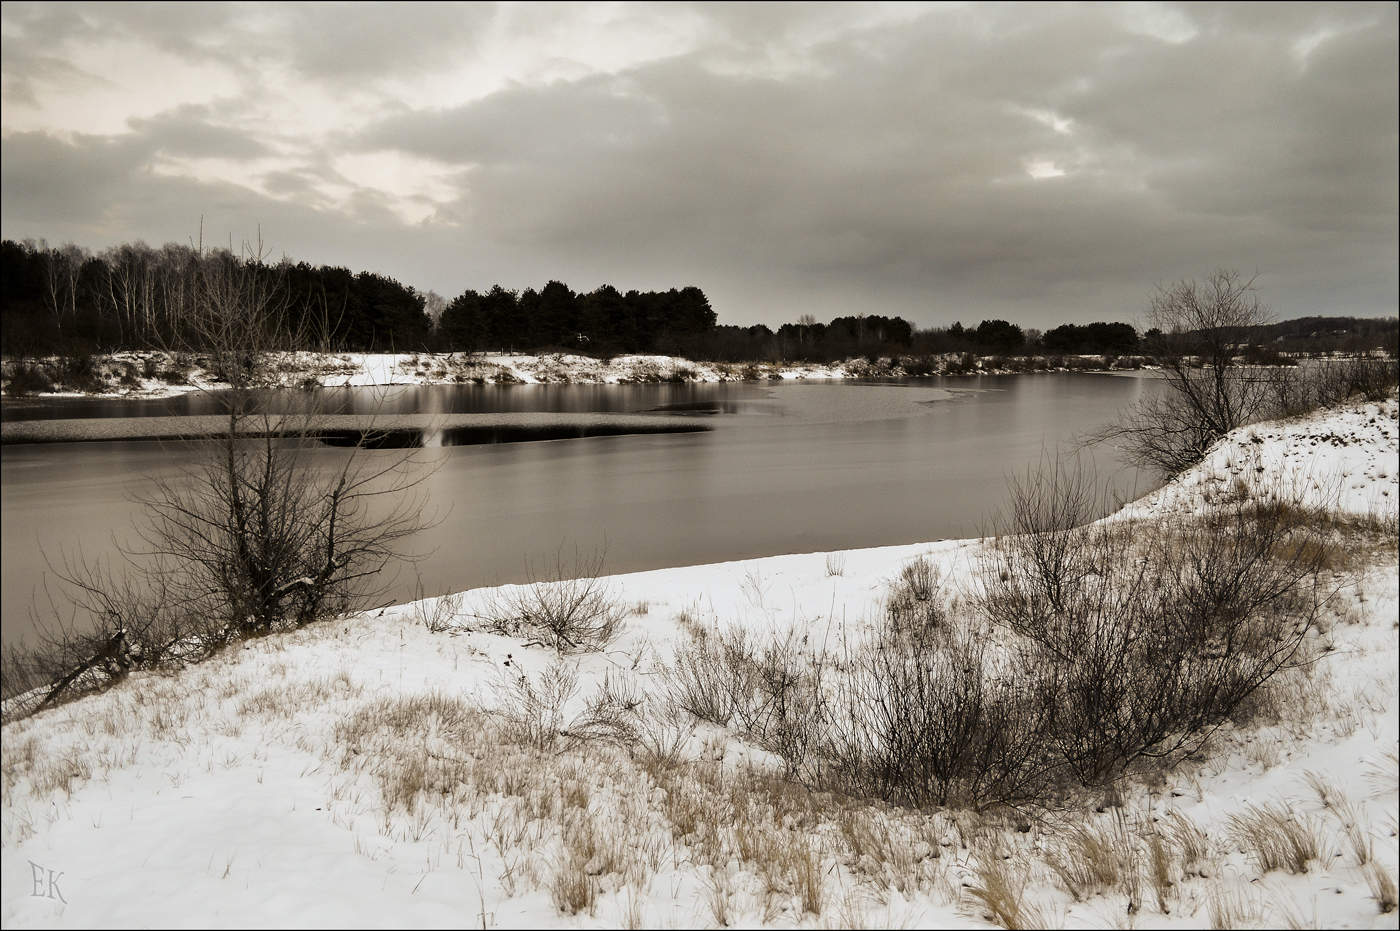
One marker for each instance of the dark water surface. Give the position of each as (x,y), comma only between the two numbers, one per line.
(786,468)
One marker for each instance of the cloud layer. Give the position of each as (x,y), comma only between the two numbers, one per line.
(1043,164)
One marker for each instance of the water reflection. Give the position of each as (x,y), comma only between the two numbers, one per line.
(787,468)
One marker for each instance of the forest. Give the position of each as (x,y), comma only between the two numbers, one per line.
(68,300)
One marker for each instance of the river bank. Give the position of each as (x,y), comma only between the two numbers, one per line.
(153,374)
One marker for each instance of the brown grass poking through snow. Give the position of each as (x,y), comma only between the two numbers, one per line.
(999,889)
(1277,838)
(1159,870)
(1355,830)
(1384,775)
(1232,908)
(1382,886)
(805,859)
(1193,843)
(1095,859)
(1328,793)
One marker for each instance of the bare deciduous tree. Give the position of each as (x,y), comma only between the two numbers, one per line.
(1205,327)
(265,531)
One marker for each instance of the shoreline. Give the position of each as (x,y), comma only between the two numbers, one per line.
(137,375)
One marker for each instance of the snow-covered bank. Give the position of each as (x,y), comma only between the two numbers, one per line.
(159,374)
(357,773)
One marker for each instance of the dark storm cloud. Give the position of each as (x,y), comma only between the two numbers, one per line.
(825,160)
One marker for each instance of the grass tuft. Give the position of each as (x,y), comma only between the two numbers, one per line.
(1277,838)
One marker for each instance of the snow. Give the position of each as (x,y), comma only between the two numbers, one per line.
(228,794)
(1341,460)
(125,374)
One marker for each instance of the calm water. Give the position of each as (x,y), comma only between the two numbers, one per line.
(787,468)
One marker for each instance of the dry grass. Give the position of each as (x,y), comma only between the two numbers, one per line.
(1328,793)
(288,699)
(436,615)
(999,890)
(1191,841)
(51,774)
(1159,870)
(1354,829)
(1095,859)
(1384,775)
(1277,838)
(802,859)
(900,850)
(588,854)
(1382,886)
(1233,908)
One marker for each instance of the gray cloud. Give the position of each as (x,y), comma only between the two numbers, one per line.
(188,131)
(809,159)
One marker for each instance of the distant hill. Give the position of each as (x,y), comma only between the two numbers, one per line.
(1323,334)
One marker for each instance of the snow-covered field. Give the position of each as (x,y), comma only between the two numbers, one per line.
(375,772)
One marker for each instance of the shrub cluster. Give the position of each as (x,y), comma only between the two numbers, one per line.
(1088,650)
(569,608)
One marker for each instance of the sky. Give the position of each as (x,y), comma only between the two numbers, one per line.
(1041,164)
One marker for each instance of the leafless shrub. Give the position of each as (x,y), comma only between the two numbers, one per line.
(1333,381)
(1142,651)
(439,614)
(769,690)
(535,709)
(919,578)
(914,606)
(701,679)
(934,721)
(613,712)
(570,609)
(117,623)
(253,538)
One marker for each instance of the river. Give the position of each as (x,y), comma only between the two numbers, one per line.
(785,468)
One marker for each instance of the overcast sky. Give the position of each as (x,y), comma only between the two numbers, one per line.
(1039,163)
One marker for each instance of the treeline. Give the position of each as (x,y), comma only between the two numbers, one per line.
(68,300)
(134,296)
(555,317)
